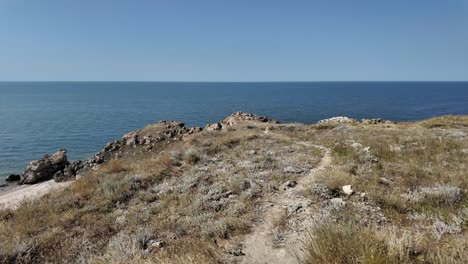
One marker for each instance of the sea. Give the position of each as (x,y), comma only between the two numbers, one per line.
(41,117)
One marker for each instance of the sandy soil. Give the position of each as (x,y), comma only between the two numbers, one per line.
(13,197)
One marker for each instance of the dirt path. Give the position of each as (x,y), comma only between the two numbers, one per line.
(259,247)
(12,198)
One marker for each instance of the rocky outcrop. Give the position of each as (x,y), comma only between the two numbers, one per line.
(348,120)
(338,119)
(69,172)
(45,168)
(375,121)
(239,117)
(145,139)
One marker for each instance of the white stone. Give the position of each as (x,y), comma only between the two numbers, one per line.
(347,189)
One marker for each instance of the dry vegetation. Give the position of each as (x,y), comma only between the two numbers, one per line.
(417,174)
(193,201)
(190,202)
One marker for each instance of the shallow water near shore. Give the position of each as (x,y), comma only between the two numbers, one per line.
(42,117)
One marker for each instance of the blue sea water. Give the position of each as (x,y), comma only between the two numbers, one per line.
(42,117)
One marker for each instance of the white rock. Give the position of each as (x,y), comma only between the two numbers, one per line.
(347,189)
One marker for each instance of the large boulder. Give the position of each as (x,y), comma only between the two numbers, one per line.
(45,168)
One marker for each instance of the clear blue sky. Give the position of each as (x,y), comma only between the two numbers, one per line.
(238,40)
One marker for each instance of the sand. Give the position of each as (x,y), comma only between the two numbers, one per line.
(12,198)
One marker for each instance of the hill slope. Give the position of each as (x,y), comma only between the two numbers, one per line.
(250,190)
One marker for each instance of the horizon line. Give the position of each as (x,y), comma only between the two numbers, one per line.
(154,81)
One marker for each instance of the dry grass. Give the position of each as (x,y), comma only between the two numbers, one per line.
(416,175)
(348,243)
(448,121)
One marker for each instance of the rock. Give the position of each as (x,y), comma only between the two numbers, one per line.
(97,159)
(371,121)
(236,252)
(239,117)
(375,121)
(464,151)
(147,140)
(289,184)
(338,119)
(148,148)
(45,168)
(347,189)
(194,130)
(155,243)
(13,177)
(130,138)
(213,127)
(252,152)
(363,195)
(293,169)
(69,172)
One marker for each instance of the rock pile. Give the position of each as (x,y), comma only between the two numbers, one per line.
(375,121)
(347,120)
(338,119)
(239,117)
(57,167)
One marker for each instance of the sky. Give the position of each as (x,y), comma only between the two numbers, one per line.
(238,40)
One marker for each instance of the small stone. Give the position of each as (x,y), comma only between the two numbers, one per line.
(347,189)
(156,243)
